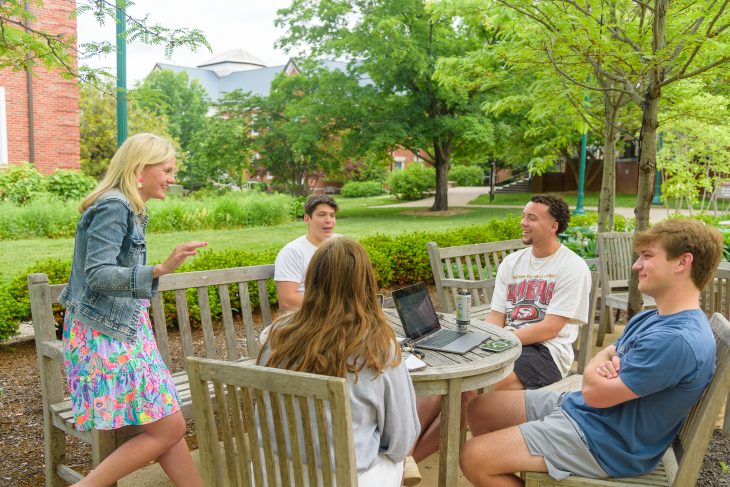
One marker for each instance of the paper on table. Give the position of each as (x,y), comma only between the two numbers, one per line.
(413,363)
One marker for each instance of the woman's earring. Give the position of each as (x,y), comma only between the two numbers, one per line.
(139,184)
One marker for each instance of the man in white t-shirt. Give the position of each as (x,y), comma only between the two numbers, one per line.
(541,293)
(292,261)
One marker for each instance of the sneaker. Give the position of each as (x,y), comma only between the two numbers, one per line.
(411,474)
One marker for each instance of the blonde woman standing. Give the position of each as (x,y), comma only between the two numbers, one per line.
(115,372)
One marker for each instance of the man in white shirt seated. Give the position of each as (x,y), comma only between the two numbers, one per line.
(541,294)
(292,261)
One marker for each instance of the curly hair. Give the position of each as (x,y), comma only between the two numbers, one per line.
(557,207)
(341,327)
(679,236)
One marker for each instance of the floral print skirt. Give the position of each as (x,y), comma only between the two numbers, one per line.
(113,383)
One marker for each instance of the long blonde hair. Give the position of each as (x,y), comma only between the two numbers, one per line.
(123,172)
(340,327)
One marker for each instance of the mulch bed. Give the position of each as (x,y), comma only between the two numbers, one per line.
(21,424)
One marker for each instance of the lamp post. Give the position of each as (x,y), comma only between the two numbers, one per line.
(121,73)
(657,199)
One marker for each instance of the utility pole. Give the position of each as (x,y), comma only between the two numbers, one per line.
(121,72)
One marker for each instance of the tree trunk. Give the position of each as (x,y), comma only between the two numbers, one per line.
(647,144)
(607,201)
(442,163)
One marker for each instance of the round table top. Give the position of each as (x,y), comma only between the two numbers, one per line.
(444,365)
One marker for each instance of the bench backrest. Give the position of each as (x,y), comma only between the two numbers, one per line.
(715,297)
(289,409)
(615,249)
(470,267)
(582,346)
(186,292)
(694,436)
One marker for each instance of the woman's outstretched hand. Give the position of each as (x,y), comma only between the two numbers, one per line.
(177,257)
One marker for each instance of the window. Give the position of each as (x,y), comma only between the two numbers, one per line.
(3,130)
(399,162)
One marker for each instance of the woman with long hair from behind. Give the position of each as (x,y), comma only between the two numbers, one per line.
(341,331)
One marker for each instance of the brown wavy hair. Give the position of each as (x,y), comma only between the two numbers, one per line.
(340,327)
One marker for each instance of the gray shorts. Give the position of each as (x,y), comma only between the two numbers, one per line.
(551,434)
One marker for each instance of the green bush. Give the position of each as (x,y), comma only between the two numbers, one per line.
(413,183)
(467,175)
(42,217)
(69,185)
(357,189)
(20,184)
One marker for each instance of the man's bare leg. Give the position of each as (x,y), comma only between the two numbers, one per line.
(429,414)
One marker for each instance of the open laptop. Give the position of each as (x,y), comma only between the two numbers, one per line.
(421,323)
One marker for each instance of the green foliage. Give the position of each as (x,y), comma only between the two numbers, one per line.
(14,299)
(99,129)
(20,184)
(235,210)
(396,46)
(359,189)
(182,101)
(467,175)
(54,218)
(403,259)
(413,182)
(70,185)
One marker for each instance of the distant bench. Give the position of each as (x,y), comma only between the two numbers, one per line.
(58,419)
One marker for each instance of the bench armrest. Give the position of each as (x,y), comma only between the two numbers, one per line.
(52,349)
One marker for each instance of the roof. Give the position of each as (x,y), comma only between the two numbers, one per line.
(238,56)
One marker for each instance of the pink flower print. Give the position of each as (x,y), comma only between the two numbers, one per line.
(100,403)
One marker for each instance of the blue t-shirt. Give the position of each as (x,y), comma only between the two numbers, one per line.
(665,360)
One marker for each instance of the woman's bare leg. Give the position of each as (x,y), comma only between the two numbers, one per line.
(161,439)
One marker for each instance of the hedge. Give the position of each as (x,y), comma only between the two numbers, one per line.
(49,217)
(360,189)
(397,260)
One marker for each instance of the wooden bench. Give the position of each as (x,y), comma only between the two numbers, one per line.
(57,415)
(682,461)
(470,267)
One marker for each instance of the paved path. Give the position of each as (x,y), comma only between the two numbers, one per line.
(462,195)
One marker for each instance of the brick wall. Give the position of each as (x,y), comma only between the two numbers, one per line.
(55,102)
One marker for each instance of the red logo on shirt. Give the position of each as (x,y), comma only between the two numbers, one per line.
(531,290)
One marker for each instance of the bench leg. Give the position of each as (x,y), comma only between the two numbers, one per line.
(602,325)
(103,444)
(726,423)
(54,451)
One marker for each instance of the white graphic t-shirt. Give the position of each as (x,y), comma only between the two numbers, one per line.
(529,288)
(292,261)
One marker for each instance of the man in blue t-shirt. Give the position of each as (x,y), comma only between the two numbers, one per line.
(636,392)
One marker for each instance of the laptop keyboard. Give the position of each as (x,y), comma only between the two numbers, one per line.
(441,338)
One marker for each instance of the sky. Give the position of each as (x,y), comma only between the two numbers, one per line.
(227,24)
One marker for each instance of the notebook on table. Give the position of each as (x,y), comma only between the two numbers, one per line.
(421,323)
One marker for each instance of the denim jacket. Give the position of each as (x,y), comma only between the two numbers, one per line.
(108,273)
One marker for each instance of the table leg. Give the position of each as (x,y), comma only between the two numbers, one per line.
(449,441)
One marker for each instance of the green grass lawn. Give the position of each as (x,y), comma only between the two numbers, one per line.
(590,199)
(355,219)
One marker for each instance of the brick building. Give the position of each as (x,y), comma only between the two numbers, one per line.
(39,114)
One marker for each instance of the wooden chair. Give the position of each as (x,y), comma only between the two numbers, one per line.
(682,461)
(305,414)
(470,267)
(715,298)
(58,419)
(615,253)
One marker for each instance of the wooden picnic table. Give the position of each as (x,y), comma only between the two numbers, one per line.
(450,374)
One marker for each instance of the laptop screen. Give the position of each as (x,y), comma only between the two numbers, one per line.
(415,310)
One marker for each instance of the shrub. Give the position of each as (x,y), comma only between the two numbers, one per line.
(413,182)
(21,184)
(467,175)
(356,189)
(70,185)
(42,217)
